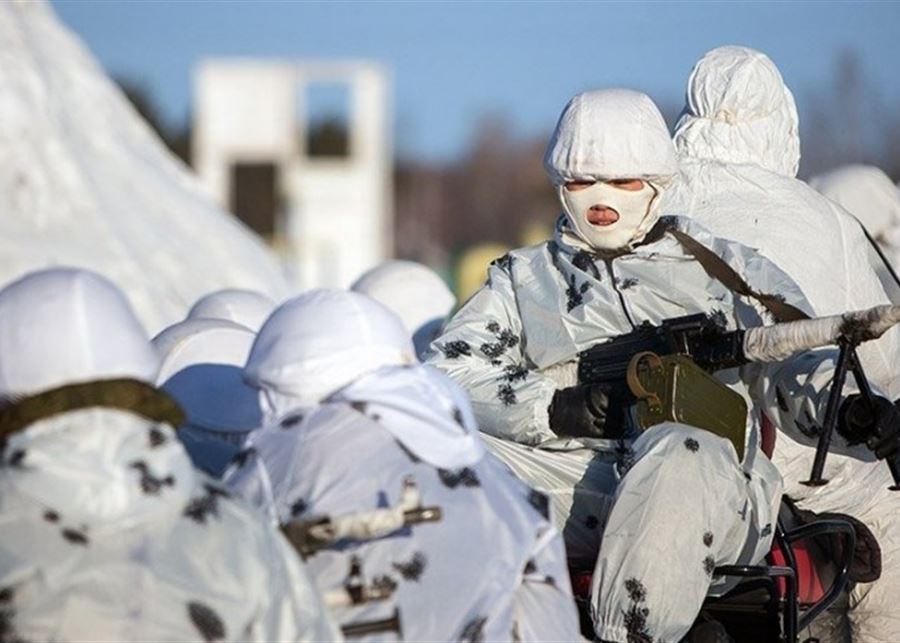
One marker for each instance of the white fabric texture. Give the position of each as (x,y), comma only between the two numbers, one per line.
(739,183)
(319,342)
(610,134)
(65,326)
(245,307)
(545,304)
(740,111)
(492,568)
(415,293)
(637,211)
(395,396)
(203,372)
(108,532)
(868,194)
(85,182)
(730,184)
(107,537)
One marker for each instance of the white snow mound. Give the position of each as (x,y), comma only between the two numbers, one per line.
(85,182)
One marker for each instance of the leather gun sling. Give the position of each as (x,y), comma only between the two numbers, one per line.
(718,269)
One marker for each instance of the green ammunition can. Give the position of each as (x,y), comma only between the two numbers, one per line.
(672,388)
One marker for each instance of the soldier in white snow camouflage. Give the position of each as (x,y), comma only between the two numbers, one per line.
(669,505)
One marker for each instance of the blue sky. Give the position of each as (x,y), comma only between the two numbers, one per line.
(453,62)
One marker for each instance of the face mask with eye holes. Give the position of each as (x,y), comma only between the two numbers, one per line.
(638,212)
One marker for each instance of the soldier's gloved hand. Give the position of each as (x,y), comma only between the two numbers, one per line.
(877,426)
(580,411)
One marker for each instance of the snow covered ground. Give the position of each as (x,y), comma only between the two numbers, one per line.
(85,182)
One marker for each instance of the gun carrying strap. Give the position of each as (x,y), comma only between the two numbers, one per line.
(717,268)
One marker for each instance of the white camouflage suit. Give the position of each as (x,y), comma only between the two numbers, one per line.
(867,193)
(739,152)
(674,503)
(108,533)
(491,569)
(738,143)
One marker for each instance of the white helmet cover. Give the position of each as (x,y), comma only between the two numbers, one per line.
(245,307)
(319,342)
(202,369)
(67,326)
(414,292)
(610,134)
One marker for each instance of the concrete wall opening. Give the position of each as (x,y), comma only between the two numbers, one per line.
(255,196)
(326,112)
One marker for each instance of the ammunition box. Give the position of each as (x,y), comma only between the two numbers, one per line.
(672,388)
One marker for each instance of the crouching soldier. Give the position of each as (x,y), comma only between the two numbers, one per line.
(108,532)
(665,502)
(374,468)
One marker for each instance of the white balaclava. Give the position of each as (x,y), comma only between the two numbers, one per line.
(415,293)
(740,111)
(317,343)
(68,326)
(245,307)
(606,135)
(864,191)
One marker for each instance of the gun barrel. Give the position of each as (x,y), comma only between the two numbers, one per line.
(780,341)
(364,628)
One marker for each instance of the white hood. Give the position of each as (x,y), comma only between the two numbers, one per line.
(414,292)
(424,409)
(319,342)
(64,326)
(245,307)
(610,134)
(864,191)
(740,111)
(202,370)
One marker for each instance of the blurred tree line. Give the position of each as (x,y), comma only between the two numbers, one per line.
(498,190)
(849,121)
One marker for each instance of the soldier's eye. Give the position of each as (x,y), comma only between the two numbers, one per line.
(574,186)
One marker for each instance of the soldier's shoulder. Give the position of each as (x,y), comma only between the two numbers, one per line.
(536,253)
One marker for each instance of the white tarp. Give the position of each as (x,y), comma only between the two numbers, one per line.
(85,182)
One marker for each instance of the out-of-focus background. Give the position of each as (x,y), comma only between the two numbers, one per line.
(344,133)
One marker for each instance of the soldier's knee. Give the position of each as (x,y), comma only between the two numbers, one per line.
(676,443)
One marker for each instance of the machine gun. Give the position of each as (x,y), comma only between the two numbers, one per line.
(699,336)
(667,369)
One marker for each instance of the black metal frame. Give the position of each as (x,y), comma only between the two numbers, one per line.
(792,621)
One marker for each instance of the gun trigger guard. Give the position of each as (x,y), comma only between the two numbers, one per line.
(634,381)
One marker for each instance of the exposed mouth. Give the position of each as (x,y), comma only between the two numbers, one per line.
(602,216)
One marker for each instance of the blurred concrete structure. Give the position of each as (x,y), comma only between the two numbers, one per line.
(329,214)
